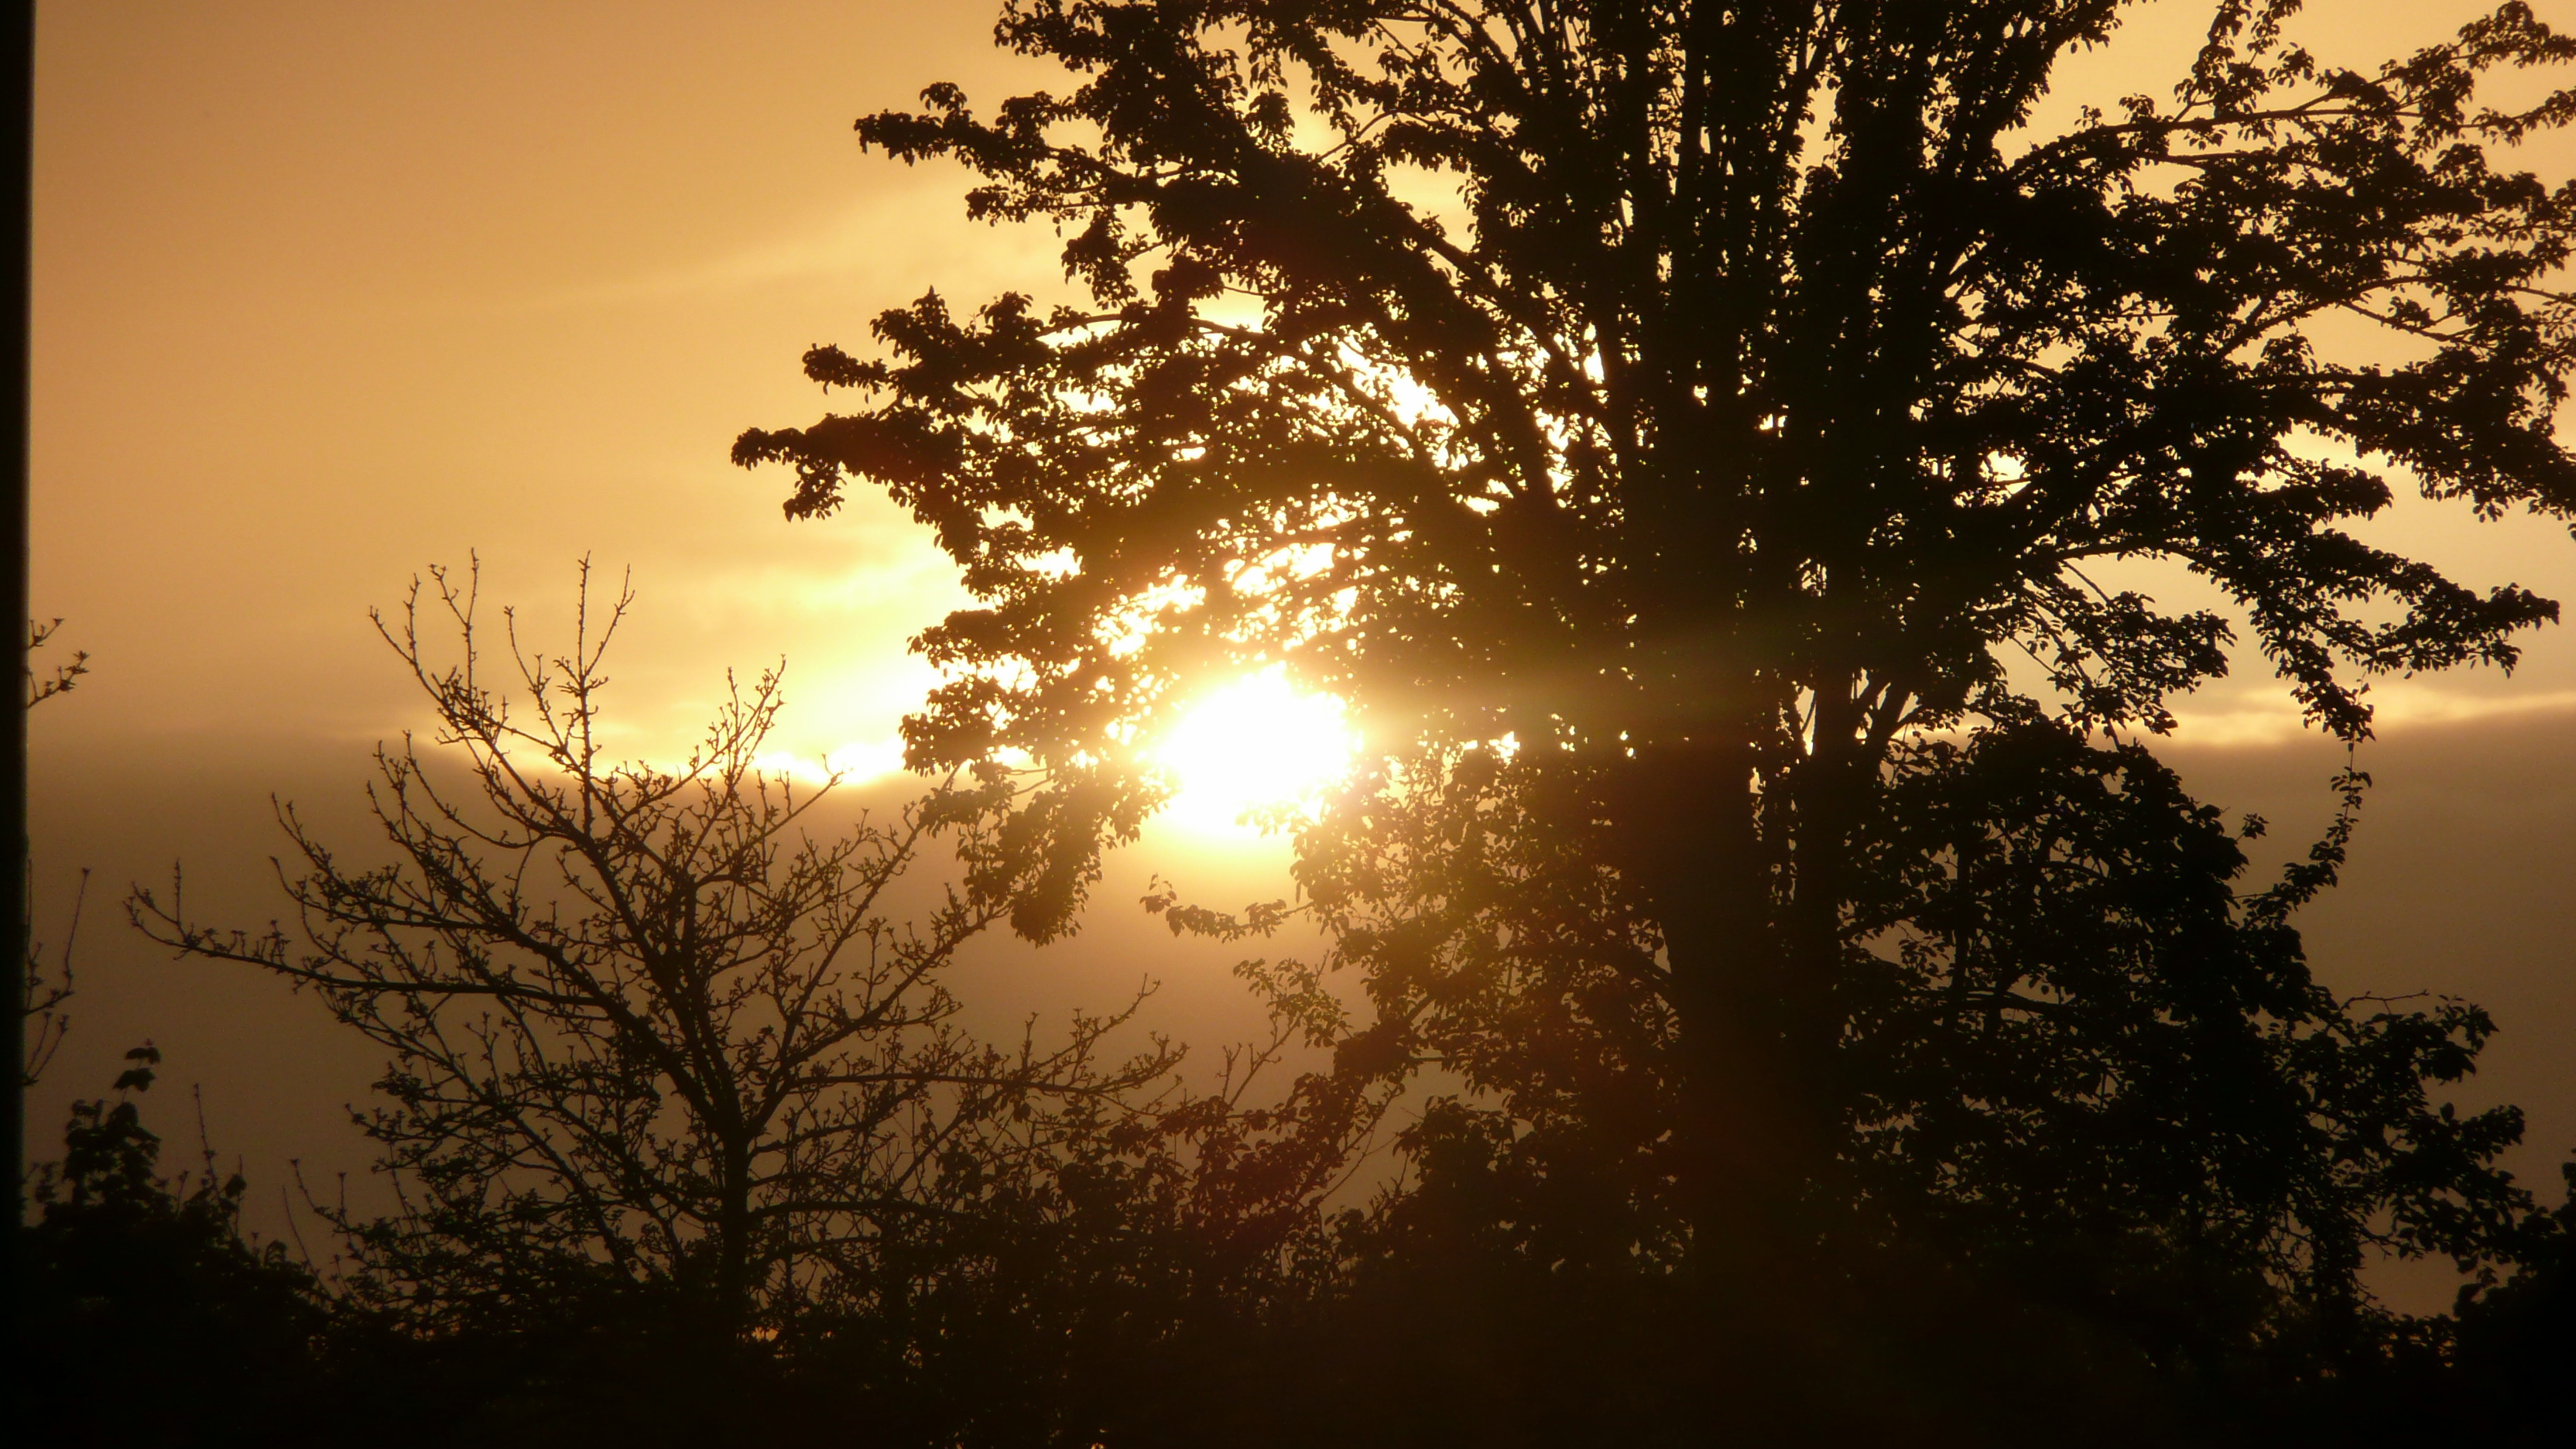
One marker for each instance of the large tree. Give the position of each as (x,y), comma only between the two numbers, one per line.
(1699,408)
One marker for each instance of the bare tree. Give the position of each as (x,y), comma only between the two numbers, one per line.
(643,1023)
(63,676)
(42,995)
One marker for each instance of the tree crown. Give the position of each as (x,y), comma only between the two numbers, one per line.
(1606,373)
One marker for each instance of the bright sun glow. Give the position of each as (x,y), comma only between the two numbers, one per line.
(1254,743)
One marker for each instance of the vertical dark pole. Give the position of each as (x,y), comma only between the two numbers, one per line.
(17,133)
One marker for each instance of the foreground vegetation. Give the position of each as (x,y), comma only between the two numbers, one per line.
(691,1145)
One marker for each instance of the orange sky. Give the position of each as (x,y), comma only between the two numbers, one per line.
(325,292)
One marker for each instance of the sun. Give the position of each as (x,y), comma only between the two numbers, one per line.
(1257,742)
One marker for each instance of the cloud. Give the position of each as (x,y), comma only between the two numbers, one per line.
(2397,708)
(913,234)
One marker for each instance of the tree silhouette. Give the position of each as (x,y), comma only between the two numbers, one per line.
(2106,1142)
(1692,411)
(142,1314)
(647,1031)
(43,1017)
(1742,390)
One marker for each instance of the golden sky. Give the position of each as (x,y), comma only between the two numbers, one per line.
(329,291)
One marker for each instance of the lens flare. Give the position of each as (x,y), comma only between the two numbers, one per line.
(1256,743)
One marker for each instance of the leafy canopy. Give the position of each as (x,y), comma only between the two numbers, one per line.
(1713,448)
(1613,375)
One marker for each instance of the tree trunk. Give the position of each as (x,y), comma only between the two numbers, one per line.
(1692,840)
(733,1246)
(1750,1138)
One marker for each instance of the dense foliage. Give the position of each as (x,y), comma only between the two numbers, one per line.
(1741,475)
(140,1313)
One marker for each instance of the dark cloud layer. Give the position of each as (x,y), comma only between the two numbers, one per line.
(2462,882)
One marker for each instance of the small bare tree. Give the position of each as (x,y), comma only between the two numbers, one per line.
(644,1024)
(61,678)
(42,996)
